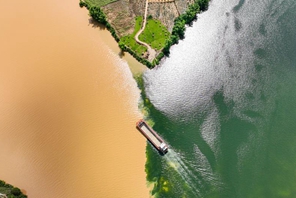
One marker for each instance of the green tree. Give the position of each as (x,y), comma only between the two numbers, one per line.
(179,28)
(166,49)
(16,191)
(149,17)
(97,14)
(82,4)
(2,183)
(122,46)
(203,4)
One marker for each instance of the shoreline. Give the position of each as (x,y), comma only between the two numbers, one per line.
(136,67)
(9,190)
(177,33)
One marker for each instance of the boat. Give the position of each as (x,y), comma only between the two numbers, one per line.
(152,136)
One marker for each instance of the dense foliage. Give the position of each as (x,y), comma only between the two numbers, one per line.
(184,19)
(97,14)
(10,191)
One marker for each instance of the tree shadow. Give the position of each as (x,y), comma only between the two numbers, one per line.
(121,54)
(96,24)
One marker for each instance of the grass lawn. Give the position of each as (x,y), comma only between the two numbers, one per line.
(99,3)
(130,41)
(155,34)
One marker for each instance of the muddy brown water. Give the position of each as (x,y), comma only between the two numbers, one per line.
(68,105)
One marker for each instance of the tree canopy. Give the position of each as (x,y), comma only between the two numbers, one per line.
(98,15)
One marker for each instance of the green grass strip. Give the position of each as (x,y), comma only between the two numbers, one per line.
(155,34)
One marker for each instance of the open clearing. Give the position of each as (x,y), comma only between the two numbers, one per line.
(155,34)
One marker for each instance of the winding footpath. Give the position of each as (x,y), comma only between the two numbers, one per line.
(151,52)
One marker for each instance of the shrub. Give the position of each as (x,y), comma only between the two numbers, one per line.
(149,17)
(16,191)
(2,183)
(97,14)
(82,4)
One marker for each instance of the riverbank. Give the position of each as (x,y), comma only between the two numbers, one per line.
(7,190)
(121,19)
(69,106)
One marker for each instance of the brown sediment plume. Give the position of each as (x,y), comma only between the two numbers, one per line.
(68,106)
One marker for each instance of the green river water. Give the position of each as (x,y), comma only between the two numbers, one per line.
(225,102)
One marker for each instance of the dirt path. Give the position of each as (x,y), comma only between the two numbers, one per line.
(151,52)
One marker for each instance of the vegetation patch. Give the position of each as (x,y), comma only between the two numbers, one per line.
(99,3)
(130,42)
(184,19)
(10,191)
(155,34)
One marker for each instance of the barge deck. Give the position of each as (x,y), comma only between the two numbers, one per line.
(152,136)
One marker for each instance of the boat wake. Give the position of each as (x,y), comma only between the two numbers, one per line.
(196,175)
(174,161)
